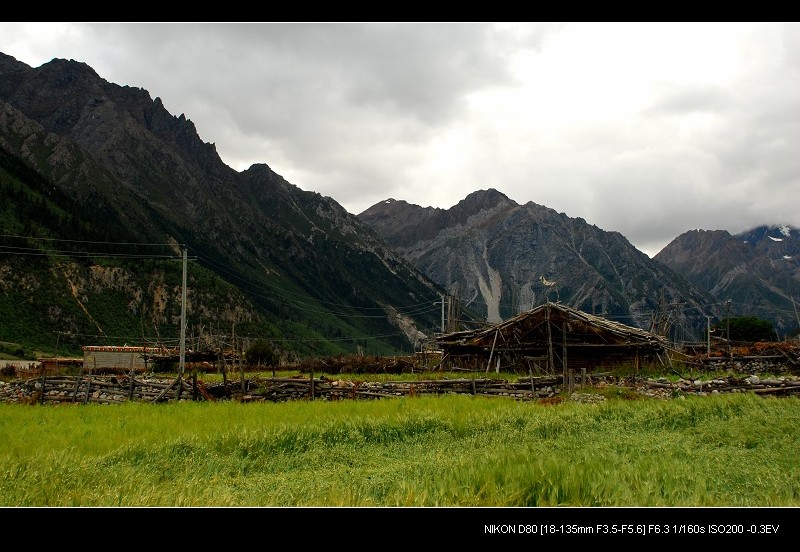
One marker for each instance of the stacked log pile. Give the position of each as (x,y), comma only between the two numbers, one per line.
(360,365)
(119,389)
(536,388)
(97,389)
(754,358)
(310,388)
(784,385)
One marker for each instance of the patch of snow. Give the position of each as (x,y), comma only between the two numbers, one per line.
(490,291)
(527,298)
(787,257)
(775,239)
(785,230)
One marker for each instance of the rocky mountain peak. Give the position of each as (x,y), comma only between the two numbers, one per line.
(482,199)
(10,64)
(401,223)
(499,258)
(117,166)
(771,236)
(756,270)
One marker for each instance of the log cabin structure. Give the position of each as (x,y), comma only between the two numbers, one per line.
(123,359)
(551,339)
(116,358)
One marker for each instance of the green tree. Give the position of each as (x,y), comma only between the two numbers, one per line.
(747,328)
(261,352)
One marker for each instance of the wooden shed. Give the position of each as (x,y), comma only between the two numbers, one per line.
(551,339)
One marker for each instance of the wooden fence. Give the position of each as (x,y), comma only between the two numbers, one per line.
(119,389)
(97,389)
(283,389)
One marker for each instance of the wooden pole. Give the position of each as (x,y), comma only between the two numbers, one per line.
(77,384)
(530,373)
(166,390)
(41,398)
(551,364)
(564,346)
(183,318)
(241,371)
(88,389)
(492,351)
(130,387)
(224,375)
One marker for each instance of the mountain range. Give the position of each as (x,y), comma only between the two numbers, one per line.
(753,273)
(500,258)
(102,189)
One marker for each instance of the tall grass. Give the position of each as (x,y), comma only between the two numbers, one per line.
(724,450)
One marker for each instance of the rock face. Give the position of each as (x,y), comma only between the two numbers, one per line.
(757,271)
(104,162)
(499,258)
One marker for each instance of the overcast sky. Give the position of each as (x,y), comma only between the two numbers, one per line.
(647,129)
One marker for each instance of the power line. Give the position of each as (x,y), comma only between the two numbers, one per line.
(35,251)
(288,296)
(86,241)
(78,254)
(305,302)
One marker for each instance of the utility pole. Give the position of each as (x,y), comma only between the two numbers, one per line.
(442,302)
(453,313)
(183,316)
(728,320)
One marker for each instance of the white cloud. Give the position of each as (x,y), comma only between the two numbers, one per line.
(649,129)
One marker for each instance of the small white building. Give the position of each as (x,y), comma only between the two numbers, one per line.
(117,358)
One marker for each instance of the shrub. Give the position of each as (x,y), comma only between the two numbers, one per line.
(747,328)
(261,353)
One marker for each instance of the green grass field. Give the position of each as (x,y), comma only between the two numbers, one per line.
(723,450)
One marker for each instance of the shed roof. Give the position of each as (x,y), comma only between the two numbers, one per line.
(552,323)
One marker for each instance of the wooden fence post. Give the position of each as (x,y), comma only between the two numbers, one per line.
(564,348)
(77,384)
(44,380)
(489,362)
(533,385)
(224,374)
(130,386)
(241,372)
(88,388)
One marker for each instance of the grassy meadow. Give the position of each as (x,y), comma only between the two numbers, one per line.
(721,450)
